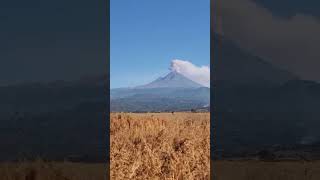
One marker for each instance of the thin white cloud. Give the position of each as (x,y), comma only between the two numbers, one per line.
(199,74)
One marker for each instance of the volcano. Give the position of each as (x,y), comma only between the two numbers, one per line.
(173,92)
(172,80)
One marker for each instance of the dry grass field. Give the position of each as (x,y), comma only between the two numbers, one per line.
(40,170)
(160,146)
(258,170)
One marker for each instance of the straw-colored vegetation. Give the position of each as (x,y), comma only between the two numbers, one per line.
(40,170)
(160,146)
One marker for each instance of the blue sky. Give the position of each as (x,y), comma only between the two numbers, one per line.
(147,34)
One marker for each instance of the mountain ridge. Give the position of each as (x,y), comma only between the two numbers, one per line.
(173,92)
(173,79)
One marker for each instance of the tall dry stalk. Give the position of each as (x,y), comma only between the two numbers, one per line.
(160,146)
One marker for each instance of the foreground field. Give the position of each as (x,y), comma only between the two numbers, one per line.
(40,170)
(160,146)
(258,170)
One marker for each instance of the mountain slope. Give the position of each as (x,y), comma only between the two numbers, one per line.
(174,92)
(161,99)
(171,80)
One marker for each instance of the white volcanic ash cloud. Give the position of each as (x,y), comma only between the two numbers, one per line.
(199,74)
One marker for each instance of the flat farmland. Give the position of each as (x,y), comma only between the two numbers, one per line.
(160,145)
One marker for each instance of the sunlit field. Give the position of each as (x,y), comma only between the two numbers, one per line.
(160,146)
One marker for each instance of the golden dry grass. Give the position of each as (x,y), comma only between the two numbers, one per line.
(160,146)
(259,170)
(40,170)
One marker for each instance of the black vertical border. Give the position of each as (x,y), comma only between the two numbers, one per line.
(212,136)
(107,89)
(214,4)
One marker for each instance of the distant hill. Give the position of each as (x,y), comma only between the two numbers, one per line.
(173,92)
